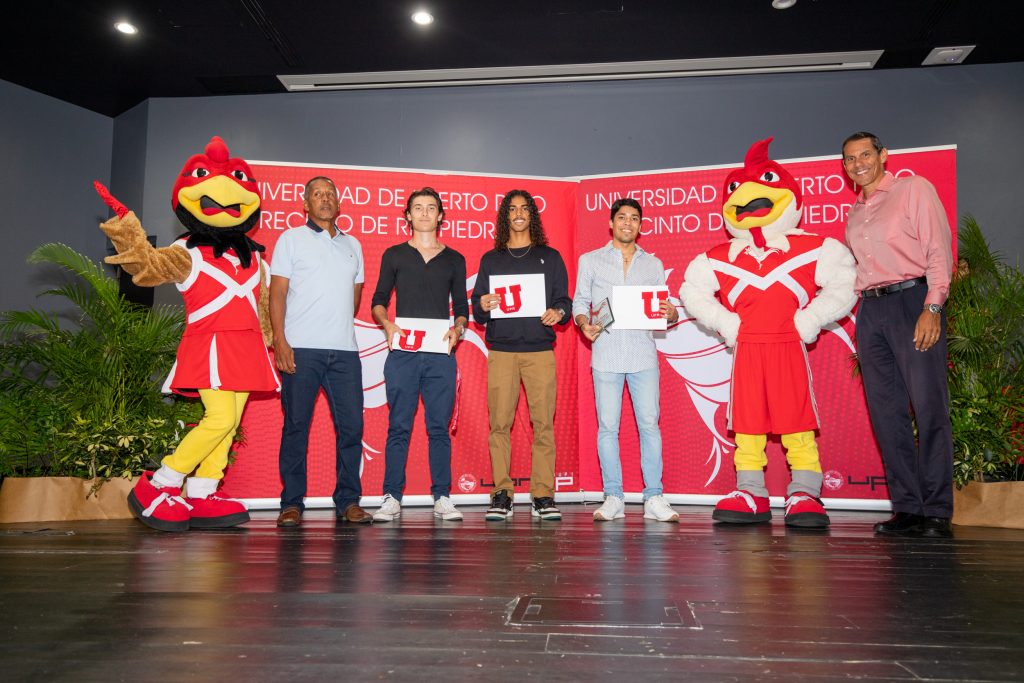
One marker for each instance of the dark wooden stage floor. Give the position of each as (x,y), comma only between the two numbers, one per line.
(630,600)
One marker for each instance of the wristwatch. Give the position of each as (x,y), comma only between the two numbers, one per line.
(934,308)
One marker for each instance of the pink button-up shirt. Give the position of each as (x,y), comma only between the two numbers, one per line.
(900,233)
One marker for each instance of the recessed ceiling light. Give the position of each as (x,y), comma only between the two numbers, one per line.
(783,4)
(423,18)
(126,28)
(947,55)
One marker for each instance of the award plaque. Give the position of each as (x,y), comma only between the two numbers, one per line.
(521,296)
(639,306)
(422,335)
(601,315)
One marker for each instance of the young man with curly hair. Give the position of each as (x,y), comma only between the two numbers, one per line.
(521,352)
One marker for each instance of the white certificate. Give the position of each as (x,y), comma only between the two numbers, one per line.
(422,335)
(638,307)
(520,296)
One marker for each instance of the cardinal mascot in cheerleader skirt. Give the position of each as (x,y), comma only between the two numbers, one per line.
(768,291)
(223,352)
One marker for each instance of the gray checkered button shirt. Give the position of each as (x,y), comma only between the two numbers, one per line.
(599,271)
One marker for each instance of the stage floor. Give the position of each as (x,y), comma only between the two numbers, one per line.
(630,600)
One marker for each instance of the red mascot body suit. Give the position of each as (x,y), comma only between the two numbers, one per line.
(223,351)
(767,292)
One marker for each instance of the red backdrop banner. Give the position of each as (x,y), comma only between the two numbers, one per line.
(372,202)
(681,219)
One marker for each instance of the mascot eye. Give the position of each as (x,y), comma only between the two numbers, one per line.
(240,175)
(734,185)
(770,177)
(199,173)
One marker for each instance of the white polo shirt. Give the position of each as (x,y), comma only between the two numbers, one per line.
(322,272)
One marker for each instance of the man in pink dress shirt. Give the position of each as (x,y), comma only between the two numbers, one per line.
(897,230)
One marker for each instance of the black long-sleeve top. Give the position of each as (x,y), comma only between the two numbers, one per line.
(422,289)
(520,335)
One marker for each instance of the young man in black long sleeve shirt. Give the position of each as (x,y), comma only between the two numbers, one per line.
(521,351)
(423,274)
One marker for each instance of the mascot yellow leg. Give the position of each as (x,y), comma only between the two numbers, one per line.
(209,442)
(750,454)
(803,505)
(802,451)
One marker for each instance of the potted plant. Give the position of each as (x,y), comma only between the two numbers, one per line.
(985,333)
(82,401)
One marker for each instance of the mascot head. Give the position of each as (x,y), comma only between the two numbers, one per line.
(762,199)
(217,201)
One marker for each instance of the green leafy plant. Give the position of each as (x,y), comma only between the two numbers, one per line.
(985,333)
(83,399)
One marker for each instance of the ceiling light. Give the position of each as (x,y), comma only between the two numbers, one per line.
(126,28)
(947,55)
(783,4)
(719,66)
(423,18)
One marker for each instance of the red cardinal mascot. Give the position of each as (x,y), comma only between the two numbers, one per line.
(223,351)
(767,292)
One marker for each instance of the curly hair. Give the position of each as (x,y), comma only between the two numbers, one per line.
(503,226)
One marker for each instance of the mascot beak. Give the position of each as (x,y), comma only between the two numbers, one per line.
(219,202)
(753,205)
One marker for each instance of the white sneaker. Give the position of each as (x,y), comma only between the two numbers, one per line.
(656,507)
(612,508)
(389,510)
(445,509)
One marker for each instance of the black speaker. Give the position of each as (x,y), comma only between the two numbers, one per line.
(141,296)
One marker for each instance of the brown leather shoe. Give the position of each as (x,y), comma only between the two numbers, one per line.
(355,514)
(290,516)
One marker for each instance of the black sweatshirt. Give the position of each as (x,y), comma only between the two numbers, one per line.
(521,335)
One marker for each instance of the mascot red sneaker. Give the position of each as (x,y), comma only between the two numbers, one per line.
(767,292)
(223,352)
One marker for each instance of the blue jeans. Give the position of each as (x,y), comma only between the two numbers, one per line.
(644,389)
(407,377)
(340,374)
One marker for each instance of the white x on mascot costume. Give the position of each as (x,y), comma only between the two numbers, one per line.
(223,351)
(767,292)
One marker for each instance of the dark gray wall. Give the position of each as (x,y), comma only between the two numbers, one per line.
(50,153)
(51,150)
(592,128)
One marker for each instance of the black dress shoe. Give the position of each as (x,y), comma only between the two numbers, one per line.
(936,527)
(900,523)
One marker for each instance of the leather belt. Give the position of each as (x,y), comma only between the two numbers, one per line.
(892,289)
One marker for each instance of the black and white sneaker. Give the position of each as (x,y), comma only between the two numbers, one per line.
(501,507)
(545,509)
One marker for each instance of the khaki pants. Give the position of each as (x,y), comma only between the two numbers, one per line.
(536,371)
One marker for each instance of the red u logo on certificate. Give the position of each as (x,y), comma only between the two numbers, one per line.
(411,340)
(510,298)
(652,303)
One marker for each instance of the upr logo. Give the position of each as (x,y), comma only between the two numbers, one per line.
(652,303)
(411,340)
(832,480)
(510,298)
